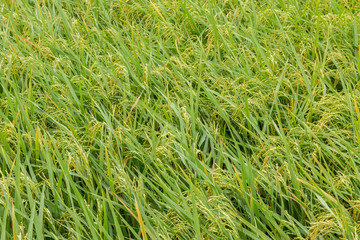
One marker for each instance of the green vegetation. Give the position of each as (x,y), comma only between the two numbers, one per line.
(217,119)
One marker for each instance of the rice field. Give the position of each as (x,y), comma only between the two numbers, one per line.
(189,119)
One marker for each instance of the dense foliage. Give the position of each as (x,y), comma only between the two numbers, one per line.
(189,119)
